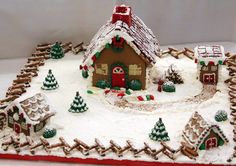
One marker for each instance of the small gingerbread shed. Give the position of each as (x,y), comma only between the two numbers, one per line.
(123,50)
(29,115)
(201,135)
(209,60)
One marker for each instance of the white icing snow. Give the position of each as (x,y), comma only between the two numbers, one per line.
(210,53)
(107,122)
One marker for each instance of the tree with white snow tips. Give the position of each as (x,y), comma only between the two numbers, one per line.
(159,132)
(50,82)
(57,51)
(78,105)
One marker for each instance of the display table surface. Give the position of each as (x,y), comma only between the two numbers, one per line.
(10,67)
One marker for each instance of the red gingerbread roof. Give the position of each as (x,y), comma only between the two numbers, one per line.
(138,36)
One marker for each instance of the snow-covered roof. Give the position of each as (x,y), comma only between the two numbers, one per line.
(138,36)
(197,129)
(210,53)
(35,109)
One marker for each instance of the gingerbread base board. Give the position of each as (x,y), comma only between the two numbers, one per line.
(94,161)
(75,76)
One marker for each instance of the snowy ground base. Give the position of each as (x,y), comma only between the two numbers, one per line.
(105,121)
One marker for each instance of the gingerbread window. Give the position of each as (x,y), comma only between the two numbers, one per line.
(135,70)
(101,69)
(24,126)
(10,120)
(205,68)
(214,68)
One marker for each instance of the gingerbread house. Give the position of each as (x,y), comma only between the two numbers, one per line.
(201,135)
(124,49)
(209,60)
(29,115)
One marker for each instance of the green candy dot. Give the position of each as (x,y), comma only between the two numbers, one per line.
(202,63)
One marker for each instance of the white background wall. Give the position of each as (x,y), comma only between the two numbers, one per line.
(25,23)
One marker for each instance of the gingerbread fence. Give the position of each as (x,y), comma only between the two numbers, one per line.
(231,66)
(80,146)
(30,70)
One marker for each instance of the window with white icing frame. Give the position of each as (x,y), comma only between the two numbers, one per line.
(214,68)
(135,69)
(24,126)
(101,69)
(10,120)
(204,68)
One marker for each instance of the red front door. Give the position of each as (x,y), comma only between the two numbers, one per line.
(118,77)
(17,128)
(209,78)
(211,143)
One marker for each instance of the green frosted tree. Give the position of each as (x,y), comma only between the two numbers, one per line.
(221,116)
(50,82)
(57,51)
(159,132)
(78,105)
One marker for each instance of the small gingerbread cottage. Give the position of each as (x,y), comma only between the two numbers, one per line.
(29,115)
(201,135)
(209,60)
(122,51)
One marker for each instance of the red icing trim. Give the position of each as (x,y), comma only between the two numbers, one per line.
(94,161)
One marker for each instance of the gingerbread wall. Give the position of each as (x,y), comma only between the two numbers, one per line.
(128,57)
(211,135)
(20,121)
(209,71)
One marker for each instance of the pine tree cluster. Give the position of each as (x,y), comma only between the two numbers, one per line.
(173,75)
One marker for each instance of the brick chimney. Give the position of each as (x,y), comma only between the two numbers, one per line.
(122,13)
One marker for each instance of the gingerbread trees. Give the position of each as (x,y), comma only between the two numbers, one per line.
(50,82)
(159,132)
(78,105)
(57,51)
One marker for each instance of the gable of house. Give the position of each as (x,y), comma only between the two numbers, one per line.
(136,66)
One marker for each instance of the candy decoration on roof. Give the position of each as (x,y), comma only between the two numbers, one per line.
(78,105)
(159,132)
(50,82)
(56,51)
(117,43)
